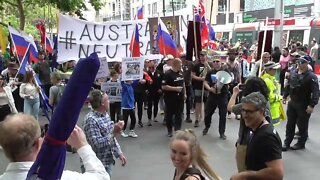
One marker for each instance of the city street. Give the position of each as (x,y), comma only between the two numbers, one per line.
(149,156)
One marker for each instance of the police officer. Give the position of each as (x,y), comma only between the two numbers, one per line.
(303,89)
(174,93)
(217,98)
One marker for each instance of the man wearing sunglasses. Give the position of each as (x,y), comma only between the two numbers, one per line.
(303,89)
(218,97)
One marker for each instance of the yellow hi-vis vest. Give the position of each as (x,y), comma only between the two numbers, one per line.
(274,97)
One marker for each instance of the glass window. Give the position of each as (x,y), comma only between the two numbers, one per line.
(296,35)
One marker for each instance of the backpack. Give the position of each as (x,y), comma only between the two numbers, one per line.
(59,93)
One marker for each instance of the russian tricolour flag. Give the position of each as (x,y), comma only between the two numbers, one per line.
(140,13)
(166,44)
(134,43)
(21,43)
(49,46)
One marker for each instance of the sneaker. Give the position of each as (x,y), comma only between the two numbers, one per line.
(149,122)
(123,134)
(192,111)
(132,134)
(196,123)
(238,117)
(140,124)
(229,116)
(169,135)
(155,120)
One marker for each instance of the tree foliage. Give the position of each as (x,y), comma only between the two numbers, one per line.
(27,10)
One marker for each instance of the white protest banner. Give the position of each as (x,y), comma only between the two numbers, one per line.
(78,38)
(113,89)
(132,68)
(103,69)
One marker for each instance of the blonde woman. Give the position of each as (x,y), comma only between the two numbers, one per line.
(29,91)
(188,157)
(6,100)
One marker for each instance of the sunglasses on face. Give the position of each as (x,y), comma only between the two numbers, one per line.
(215,61)
(302,62)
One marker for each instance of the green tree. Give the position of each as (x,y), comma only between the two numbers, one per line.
(24,6)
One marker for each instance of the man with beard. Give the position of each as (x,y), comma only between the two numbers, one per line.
(217,98)
(234,68)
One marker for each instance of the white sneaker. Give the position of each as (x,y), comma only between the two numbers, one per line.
(229,116)
(132,134)
(123,134)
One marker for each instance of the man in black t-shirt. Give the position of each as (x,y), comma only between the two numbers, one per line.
(218,97)
(199,72)
(263,159)
(173,88)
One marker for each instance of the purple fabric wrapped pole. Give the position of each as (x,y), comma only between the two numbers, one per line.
(50,161)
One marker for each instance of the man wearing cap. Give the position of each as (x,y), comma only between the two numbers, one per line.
(275,98)
(303,89)
(266,57)
(199,72)
(168,60)
(187,76)
(217,98)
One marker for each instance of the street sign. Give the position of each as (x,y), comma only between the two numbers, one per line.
(272,22)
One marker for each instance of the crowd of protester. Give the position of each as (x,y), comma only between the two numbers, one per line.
(181,87)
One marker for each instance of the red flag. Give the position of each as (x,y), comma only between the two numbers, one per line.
(40,26)
(134,43)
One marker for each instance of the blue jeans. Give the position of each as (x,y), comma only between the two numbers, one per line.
(108,169)
(31,107)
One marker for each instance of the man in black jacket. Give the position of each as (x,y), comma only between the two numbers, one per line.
(153,92)
(303,89)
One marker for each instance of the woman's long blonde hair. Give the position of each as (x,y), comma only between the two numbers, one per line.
(198,156)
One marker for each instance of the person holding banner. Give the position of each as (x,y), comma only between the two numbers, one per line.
(173,88)
(115,107)
(29,91)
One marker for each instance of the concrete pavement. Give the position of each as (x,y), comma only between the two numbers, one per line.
(149,155)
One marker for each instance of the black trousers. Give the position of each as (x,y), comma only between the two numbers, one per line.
(126,113)
(115,108)
(174,108)
(282,77)
(153,101)
(188,100)
(297,115)
(18,101)
(212,103)
(139,98)
(4,111)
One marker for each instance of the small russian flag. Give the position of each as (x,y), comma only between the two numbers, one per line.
(134,43)
(49,46)
(140,13)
